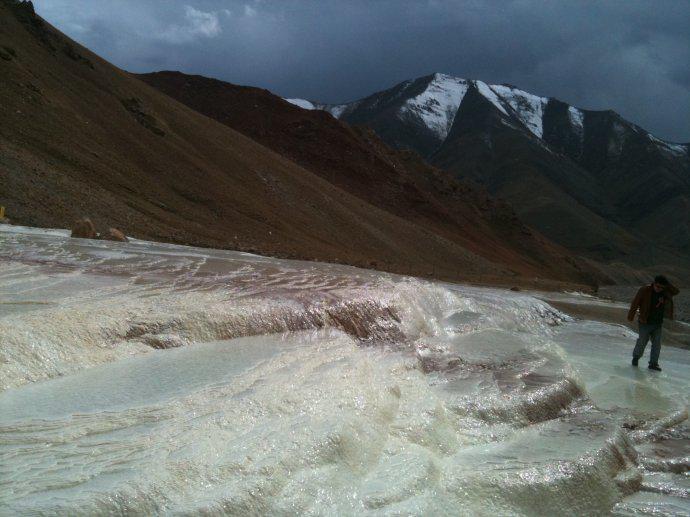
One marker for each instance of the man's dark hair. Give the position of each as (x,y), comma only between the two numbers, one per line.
(661,280)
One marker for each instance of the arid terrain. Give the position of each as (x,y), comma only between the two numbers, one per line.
(79,137)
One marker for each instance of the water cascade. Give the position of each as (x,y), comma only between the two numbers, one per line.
(151,378)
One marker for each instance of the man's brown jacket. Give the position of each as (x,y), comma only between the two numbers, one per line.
(643,301)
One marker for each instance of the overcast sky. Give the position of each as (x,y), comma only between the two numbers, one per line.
(627,55)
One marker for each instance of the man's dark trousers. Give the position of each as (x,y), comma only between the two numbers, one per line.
(649,330)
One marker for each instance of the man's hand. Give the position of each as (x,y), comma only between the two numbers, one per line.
(635,304)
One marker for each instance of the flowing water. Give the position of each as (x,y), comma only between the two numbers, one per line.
(145,378)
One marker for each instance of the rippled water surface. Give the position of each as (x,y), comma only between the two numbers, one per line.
(149,378)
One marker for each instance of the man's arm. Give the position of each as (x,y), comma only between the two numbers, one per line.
(635,305)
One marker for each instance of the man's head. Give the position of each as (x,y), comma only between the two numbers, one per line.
(660,283)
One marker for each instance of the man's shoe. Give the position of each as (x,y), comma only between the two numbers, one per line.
(635,359)
(654,367)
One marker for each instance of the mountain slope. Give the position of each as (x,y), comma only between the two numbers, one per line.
(551,194)
(81,137)
(362,165)
(589,180)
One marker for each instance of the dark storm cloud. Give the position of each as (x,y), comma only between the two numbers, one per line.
(627,55)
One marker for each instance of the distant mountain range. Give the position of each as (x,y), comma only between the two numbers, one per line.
(590,180)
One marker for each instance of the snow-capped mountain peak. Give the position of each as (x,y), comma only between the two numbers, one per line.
(430,105)
(437,105)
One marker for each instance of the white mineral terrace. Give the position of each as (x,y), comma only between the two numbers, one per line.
(146,378)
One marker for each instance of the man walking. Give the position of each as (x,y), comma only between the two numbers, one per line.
(654,302)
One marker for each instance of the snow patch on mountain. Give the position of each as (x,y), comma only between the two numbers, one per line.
(490,95)
(302,103)
(679,149)
(577,119)
(437,105)
(334,109)
(615,144)
(528,108)
(338,109)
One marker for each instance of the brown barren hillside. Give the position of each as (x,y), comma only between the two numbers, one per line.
(79,137)
(357,161)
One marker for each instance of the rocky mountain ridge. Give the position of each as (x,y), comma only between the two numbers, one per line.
(432,102)
(590,180)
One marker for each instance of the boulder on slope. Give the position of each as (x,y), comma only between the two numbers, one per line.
(84,229)
(113,234)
